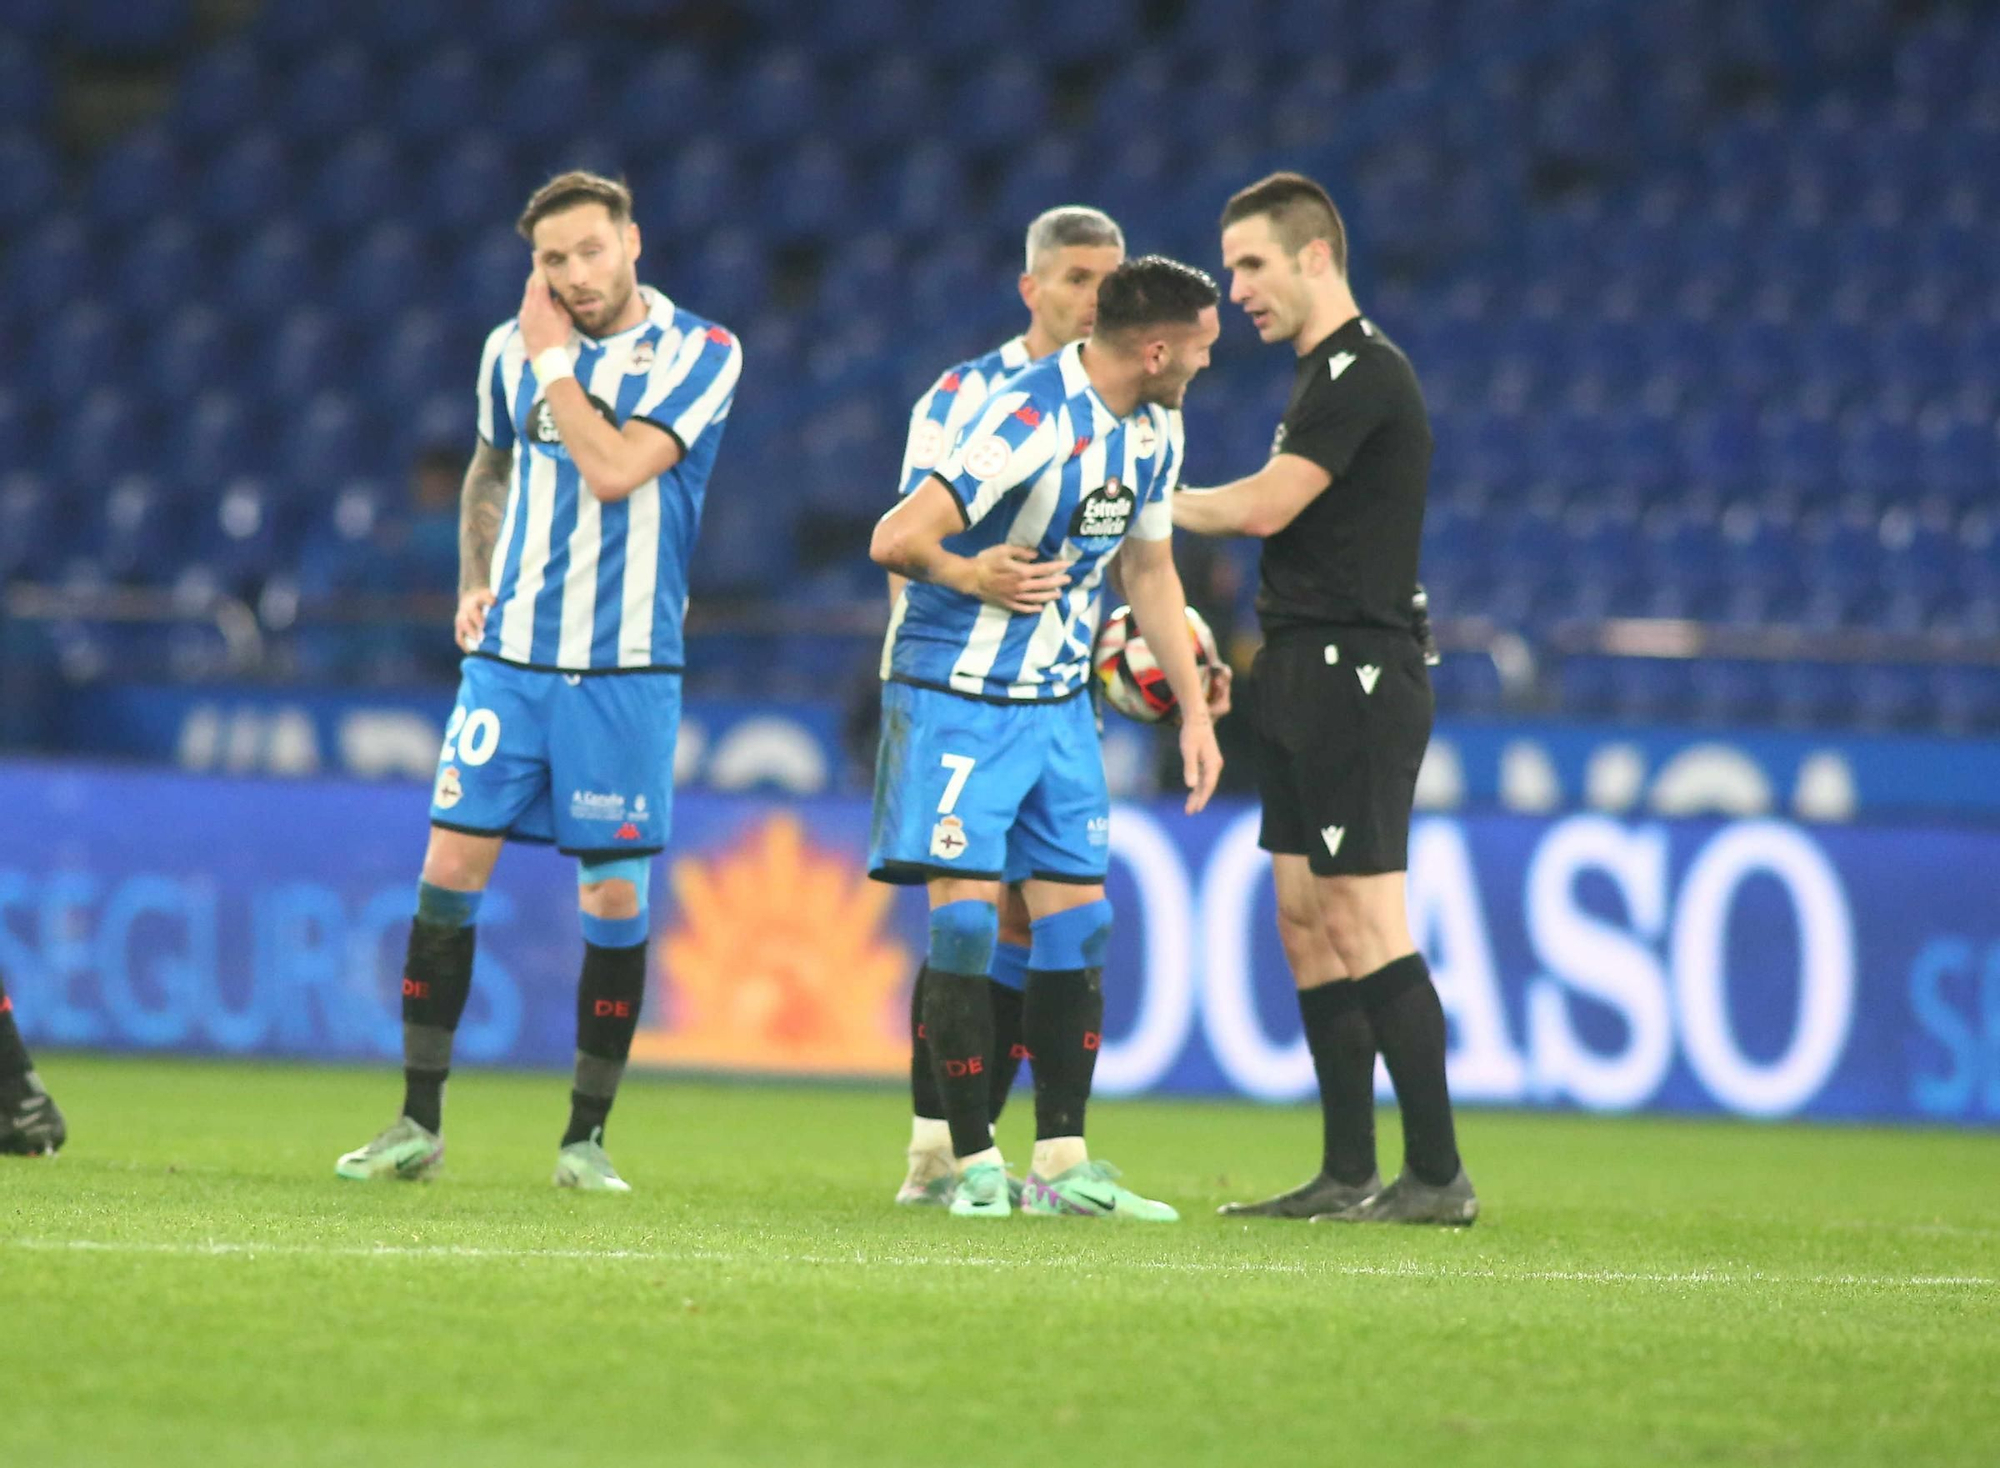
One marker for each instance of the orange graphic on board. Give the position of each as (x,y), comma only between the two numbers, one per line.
(778,960)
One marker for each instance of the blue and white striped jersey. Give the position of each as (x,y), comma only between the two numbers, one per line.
(1044,464)
(942,413)
(584,586)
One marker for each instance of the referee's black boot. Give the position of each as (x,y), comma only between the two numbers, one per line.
(30,1124)
(1324,1194)
(1411,1200)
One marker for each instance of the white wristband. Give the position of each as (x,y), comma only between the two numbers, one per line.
(552,364)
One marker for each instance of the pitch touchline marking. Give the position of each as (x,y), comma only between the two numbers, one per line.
(232,1249)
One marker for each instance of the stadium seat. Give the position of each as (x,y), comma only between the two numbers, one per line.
(330,95)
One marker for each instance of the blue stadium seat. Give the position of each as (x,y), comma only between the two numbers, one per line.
(161,269)
(216,440)
(665,97)
(925,189)
(249,182)
(27,180)
(388,272)
(139,535)
(135,179)
(1966,699)
(809,193)
(331,95)
(1892,697)
(472,188)
(856,30)
(298,27)
(221,95)
(273,270)
(1005,106)
(31,526)
(305,350)
(1812,695)
(778,99)
(187,354)
(361,182)
(24,84)
(442,94)
(126,30)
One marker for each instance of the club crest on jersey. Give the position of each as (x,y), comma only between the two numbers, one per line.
(1104,513)
(449,790)
(542,430)
(927,444)
(641,360)
(1144,439)
(988,458)
(948,841)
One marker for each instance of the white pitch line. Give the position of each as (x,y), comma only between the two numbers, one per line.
(220,1248)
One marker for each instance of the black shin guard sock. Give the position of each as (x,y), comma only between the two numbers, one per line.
(958,1013)
(1343,1054)
(1008,1048)
(14,1061)
(924,1098)
(608,1001)
(1408,1021)
(437,978)
(1063,1020)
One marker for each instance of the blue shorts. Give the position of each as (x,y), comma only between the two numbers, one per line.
(583,761)
(988,791)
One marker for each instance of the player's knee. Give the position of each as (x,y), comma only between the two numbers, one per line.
(459,864)
(963,935)
(1075,938)
(613,898)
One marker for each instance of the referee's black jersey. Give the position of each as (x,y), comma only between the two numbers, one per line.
(1350,558)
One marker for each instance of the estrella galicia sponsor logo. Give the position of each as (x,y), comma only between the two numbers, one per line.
(1104,513)
(542,432)
(589,805)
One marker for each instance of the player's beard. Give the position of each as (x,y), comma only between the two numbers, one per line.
(610,307)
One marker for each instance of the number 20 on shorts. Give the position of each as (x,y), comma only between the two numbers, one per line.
(472,736)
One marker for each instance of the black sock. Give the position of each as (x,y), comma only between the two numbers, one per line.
(1063,1018)
(924,1098)
(14,1061)
(1008,1050)
(437,978)
(958,1013)
(1343,1052)
(607,1016)
(1408,1021)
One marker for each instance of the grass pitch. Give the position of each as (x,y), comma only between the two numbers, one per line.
(189,1284)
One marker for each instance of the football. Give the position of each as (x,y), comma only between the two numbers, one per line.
(1132,679)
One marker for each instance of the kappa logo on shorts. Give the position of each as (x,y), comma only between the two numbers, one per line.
(627,832)
(948,841)
(1333,836)
(1104,513)
(449,791)
(1368,673)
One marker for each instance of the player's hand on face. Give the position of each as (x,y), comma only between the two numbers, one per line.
(544,323)
(470,624)
(1219,679)
(1009,576)
(1201,761)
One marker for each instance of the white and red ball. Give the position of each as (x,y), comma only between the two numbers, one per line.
(1131,677)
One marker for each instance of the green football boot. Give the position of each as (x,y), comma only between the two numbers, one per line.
(406,1151)
(1091,1190)
(982,1192)
(586,1166)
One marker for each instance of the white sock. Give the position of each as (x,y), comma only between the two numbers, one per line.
(1057,1155)
(929,1134)
(991,1154)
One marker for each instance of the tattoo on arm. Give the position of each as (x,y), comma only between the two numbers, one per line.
(482,505)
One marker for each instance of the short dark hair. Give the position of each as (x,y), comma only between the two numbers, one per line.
(566,191)
(1153,291)
(1300,212)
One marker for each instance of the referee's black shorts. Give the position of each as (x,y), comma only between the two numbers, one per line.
(1342,716)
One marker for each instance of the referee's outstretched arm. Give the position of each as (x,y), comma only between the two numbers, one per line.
(1260,505)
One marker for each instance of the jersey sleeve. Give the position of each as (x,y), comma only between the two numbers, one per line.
(936,422)
(1009,442)
(495,416)
(1155,520)
(1338,412)
(694,386)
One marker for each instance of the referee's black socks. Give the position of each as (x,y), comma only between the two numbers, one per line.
(1408,1021)
(437,978)
(1343,1053)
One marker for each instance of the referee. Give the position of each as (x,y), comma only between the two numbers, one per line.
(1341,703)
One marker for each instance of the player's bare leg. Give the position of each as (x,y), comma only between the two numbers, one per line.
(1366,923)
(1063,1023)
(437,979)
(932,1173)
(1343,1052)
